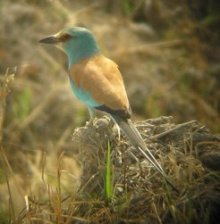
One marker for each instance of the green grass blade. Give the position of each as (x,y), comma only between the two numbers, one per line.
(108,175)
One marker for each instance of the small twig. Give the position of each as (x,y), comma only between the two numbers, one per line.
(88,182)
(4,91)
(171,130)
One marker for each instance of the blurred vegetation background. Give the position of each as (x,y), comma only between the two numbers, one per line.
(168,52)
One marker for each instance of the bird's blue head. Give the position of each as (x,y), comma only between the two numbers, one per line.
(77,42)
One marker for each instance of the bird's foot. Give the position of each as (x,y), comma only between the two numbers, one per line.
(118,131)
(89,123)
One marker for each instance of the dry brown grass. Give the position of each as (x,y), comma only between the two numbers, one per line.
(140,194)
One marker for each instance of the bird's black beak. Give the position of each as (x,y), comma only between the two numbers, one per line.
(56,38)
(50,40)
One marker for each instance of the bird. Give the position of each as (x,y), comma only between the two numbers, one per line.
(97,81)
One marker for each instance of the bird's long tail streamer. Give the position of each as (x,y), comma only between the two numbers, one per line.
(134,136)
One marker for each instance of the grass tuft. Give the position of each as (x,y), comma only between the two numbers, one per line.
(108,175)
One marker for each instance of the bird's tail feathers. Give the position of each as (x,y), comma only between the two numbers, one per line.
(134,136)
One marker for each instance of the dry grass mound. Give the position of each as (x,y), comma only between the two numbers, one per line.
(188,152)
(185,150)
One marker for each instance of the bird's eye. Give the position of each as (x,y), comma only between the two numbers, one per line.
(65,37)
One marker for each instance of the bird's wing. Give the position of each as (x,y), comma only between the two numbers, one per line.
(100,77)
